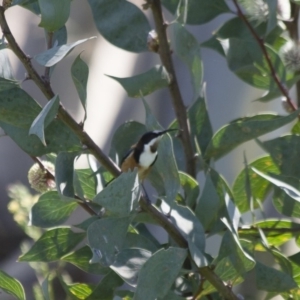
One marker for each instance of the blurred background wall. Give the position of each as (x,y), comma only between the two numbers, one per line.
(108,106)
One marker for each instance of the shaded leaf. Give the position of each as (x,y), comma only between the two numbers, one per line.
(121,196)
(54,13)
(44,118)
(191,189)
(284,152)
(106,238)
(134,240)
(128,264)
(235,256)
(81,259)
(209,204)
(11,286)
(105,289)
(52,245)
(31,5)
(187,48)
(17,112)
(55,54)
(80,74)
(6,70)
(121,23)
(272,280)
(64,169)
(199,12)
(242,130)
(51,211)
(201,128)
(145,83)
(158,273)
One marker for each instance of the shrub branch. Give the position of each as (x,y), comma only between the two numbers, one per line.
(281,86)
(180,110)
(107,163)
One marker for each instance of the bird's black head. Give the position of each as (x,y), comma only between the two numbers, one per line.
(151,135)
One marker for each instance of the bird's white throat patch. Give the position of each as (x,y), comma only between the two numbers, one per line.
(147,157)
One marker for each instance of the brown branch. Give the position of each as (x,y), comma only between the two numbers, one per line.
(49,36)
(292,27)
(180,110)
(283,89)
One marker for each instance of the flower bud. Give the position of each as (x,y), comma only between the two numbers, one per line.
(152,41)
(39,179)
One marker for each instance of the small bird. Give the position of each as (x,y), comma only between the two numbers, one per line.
(143,154)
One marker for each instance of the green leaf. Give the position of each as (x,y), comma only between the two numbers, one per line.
(121,196)
(44,118)
(199,12)
(45,287)
(64,170)
(158,273)
(51,211)
(259,186)
(191,189)
(277,232)
(213,44)
(87,182)
(31,5)
(187,48)
(52,245)
(195,235)
(80,74)
(284,152)
(242,130)
(235,256)
(81,259)
(287,188)
(84,225)
(54,55)
(272,16)
(17,112)
(121,23)
(128,264)
(139,240)
(145,83)
(55,13)
(105,289)
(11,286)
(208,206)
(272,280)
(80,290)
(106,238)
(7,84)
(164,174)
(201,128)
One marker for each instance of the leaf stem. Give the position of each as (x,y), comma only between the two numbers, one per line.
(180,110)
(263,48)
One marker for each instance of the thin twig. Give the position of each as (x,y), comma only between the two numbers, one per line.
(82,202)
(292,27)
(49,46)
(180,110)
(283,89)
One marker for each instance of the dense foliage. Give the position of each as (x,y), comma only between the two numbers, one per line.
(260,44)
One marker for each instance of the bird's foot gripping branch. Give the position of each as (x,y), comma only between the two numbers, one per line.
(114,241)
